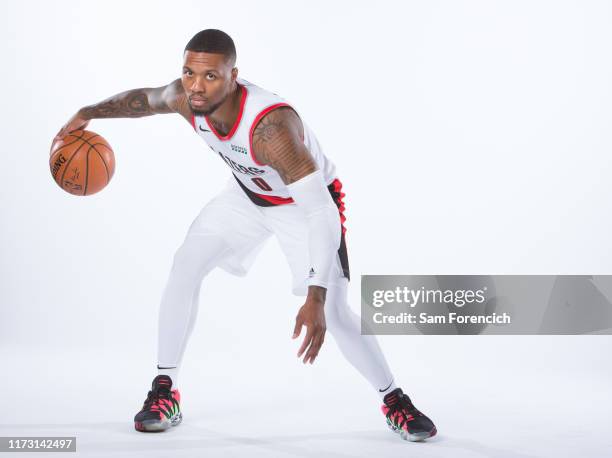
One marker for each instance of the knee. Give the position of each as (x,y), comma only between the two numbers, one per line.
(198,255)
(183,256)
(184,267)
(337,316)
(337,310)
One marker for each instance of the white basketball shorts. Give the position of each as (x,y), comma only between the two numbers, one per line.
(246,227)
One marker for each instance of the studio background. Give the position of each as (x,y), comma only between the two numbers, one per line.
(471,137)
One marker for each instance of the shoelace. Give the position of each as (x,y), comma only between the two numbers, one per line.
(404,406)
(153,398)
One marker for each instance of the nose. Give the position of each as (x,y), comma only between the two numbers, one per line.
(198,85)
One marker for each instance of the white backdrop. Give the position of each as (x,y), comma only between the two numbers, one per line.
(471,137)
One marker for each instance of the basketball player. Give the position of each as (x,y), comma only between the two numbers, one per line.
(282,185)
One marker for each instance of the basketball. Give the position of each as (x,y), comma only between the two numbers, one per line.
(82,163)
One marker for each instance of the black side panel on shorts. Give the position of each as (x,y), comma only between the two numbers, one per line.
(342,252)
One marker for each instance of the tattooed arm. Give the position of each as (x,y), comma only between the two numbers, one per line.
(133,104)
(278,141)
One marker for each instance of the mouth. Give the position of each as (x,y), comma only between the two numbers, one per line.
(197,101)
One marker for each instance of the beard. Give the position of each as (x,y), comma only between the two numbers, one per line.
(208,111)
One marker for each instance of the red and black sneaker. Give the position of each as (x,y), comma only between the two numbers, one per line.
(405,419)
(161,409)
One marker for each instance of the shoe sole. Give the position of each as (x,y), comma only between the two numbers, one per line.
(413,437)
(154,426)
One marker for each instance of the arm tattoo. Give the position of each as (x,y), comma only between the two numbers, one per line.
(129,104)
(278,142)
(141,102)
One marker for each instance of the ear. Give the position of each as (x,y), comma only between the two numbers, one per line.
(234,73)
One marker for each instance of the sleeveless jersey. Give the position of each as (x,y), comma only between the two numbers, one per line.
(261,183)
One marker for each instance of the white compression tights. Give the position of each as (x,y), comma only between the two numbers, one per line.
(196,257)
(178,311)
(362,351)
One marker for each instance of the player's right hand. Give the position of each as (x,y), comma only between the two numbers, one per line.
(76,122)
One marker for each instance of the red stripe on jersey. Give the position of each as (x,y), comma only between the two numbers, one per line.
(337,187)
(230,134)
(264,112)
(275,199)
(261,199)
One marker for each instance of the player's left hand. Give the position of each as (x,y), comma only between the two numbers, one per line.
(311,315)
(78,121)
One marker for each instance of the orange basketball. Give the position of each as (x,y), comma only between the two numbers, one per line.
(82,163)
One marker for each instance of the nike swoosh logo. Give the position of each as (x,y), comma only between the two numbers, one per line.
(387,387)
(203,130)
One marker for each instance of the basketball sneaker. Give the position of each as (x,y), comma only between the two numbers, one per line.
(405,419)
(161,409)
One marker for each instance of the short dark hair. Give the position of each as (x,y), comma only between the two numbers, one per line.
(213,41)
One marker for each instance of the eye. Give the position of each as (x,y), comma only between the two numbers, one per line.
(187,72)
(210,76)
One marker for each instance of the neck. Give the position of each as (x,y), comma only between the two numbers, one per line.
(224,117)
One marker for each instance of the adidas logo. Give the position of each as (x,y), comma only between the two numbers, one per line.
(311,273)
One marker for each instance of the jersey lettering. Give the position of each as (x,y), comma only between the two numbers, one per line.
(239,167)
(236,149)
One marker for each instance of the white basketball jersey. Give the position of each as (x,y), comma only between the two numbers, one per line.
(261,183)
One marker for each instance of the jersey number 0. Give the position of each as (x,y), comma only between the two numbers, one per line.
(261,183)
